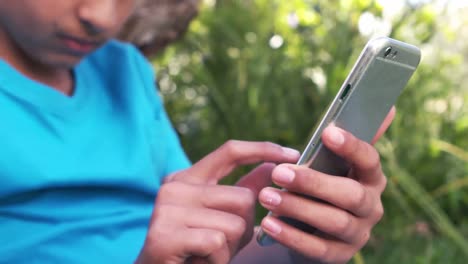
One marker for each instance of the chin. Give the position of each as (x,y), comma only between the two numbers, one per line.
(64,62)
(69,64)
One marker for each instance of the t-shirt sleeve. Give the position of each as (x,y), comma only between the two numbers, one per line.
(176,157)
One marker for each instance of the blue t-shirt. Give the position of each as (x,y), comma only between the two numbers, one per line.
(79,175)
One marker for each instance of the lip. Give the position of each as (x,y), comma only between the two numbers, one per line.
(78,46)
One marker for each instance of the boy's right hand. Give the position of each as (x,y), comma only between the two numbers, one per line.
(198,221)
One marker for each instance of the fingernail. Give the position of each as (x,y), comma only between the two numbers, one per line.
(336,137)
(283,175)
(292,153)
(270,197)
(270,226)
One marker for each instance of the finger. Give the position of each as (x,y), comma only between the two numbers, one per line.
(314,247)
(169,240)
(178,218)
(232,226)
(205,246)
(364,158)
(231,199)
(232,154)
(385,124)
(342,192)
(258,178)
(255,180)
(329,219)
(238,201)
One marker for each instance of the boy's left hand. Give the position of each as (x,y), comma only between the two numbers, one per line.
(353,205)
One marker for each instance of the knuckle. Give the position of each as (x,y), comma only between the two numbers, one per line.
(323,252)
(158,233)
(342,223)
(164,211)
(297,241)
(270,147)
(379,212)
(358,198)
(373,157)
(209,242)
(345,256)
(164,192)
(314,184)
(214,241)
(168,190)
(383,183)
(231,147)
(364,238)
(238,227)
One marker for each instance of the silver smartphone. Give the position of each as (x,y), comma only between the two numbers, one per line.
(378,77)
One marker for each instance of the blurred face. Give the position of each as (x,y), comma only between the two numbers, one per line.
(57,33)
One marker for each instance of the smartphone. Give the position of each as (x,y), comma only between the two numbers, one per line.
(378,77)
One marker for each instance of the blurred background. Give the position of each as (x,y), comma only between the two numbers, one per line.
(266,69)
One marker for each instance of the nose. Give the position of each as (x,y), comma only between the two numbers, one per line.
(97,16)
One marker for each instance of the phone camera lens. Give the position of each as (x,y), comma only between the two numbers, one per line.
(387,51)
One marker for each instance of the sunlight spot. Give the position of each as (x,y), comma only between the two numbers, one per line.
(293,20)
(233,53)
(209,3)
(276,41)
(251,37)
(366,22)
(317,75)
(456,103)
(372,26)
(438,106)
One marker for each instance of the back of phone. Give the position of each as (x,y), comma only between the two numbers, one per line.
(367,95)
(377,79)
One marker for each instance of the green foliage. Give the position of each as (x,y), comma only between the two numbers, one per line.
(264,70)
(238,80)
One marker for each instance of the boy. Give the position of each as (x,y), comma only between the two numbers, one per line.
(85,146)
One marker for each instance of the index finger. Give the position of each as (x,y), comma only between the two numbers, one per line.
(233,154)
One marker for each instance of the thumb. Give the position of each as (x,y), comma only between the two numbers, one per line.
(258,178)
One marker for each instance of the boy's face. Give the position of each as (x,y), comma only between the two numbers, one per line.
(58,33)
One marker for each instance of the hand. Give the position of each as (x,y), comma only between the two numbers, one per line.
(197,221)
(352,207)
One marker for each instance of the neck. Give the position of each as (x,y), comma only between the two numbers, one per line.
(57,78)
